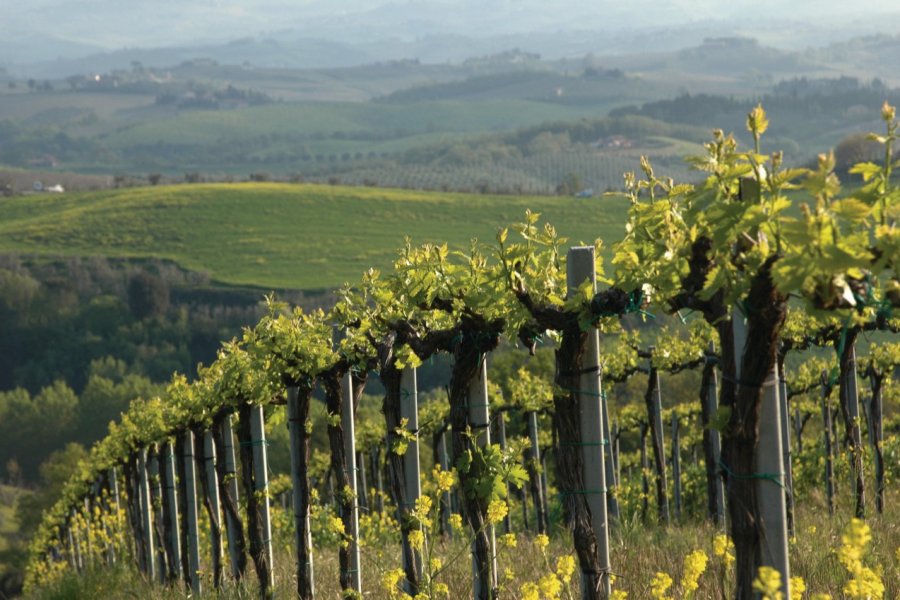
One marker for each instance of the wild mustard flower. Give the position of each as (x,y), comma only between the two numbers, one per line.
(416,539)
(541,541)
(768,583)
(550,586)
(618,595)
(441,589)
(798,586)
(508,540)
(436,564)
(864,583)
(497,510)
(530,591)
(694,566)
(456,521)
(390,581)
(659,585)
(422,511)
(443,479)
(565,566)
(723,547)
(336,525)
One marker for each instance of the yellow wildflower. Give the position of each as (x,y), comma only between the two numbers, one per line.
(422,512)
(565,566)
(768,583)
(441,589)
(864,582)
(659,585)
(456,521)
(619,595)
(723,547)
(336,525)
(508,540)
(550,586)
(444,479)
(416,539)
(798,586)
(541,541)
(694,565)
(436,564)
(530,591)
(496,510)
(390,581)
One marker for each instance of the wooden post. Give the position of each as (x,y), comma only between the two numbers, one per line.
(409,410)
(446,499)
(479,420)
(173,540)
(215,505)
(798,429)
(348,427)
(676,465)
(539,498)
(261,477)
(829,450)
(876,434)
(378,471)
(193,533)
(856,449)
(146,514)
(362,483)
(653,401)
(298,414)
(501,439)
(614,450)
(75,535)
(712,442)
(785,418)
(111,530)
(581,267)
(612,483)
(156,502)
(231,525)
(769,463)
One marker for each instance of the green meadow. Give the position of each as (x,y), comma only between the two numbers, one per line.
(271,235)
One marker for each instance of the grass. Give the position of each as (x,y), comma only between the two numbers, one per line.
(637,551)
(305,119)
(280,235)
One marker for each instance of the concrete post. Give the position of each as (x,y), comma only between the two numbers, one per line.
(581,266)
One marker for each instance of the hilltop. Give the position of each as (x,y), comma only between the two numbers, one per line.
(279,235)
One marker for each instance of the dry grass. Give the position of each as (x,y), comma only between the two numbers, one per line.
(638,552)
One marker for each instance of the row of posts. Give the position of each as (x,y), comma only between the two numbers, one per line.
(599,471)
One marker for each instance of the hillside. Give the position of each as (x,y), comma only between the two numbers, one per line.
(279,235)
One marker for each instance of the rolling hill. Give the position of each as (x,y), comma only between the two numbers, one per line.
(279,235)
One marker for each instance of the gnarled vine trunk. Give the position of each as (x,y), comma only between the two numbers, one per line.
(766,308)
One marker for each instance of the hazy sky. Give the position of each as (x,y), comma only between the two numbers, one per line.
(33,30)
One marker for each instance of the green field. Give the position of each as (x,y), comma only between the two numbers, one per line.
(279,235)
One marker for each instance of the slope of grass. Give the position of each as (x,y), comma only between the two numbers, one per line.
(305,119)
(278,235)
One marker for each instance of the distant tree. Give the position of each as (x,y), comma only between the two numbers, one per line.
(571,184)
(260,176)
(855,148)
(154,178)
(32,84)
(148,295)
